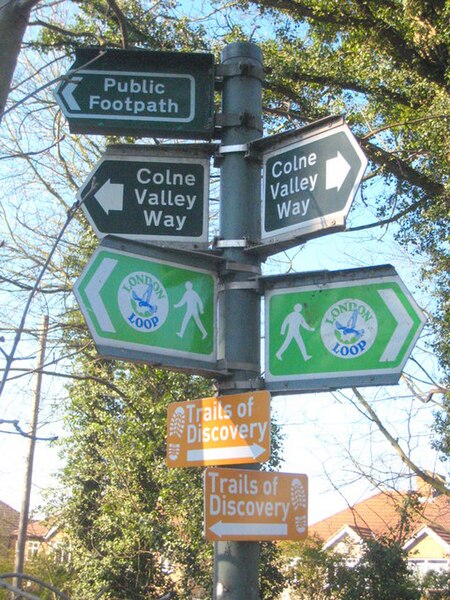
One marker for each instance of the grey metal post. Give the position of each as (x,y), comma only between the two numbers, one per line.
(26,496)
(236,564)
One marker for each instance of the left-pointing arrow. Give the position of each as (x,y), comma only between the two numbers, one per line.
(110,196)
(93,289)
(67,93)
(241,530)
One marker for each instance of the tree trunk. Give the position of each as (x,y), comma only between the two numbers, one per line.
(14,16)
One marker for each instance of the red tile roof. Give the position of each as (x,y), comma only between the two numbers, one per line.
(35,529)
(381,514)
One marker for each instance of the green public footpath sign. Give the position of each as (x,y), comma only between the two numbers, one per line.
(351,328)
(139,92)
(143,308)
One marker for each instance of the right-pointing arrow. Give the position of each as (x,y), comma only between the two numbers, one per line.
(67,93)
(404,325)
(337,169)
(110,196)
(93,289)
(232,452)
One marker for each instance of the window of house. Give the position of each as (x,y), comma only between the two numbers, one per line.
(32,549)
(424,565)
(61,552)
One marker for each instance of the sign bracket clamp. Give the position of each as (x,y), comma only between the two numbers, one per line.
(251,384)
(242,68)
(242,119)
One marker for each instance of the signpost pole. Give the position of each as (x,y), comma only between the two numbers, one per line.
(236,564)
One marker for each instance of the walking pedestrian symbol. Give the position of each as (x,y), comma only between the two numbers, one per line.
(194,307)
(291,329)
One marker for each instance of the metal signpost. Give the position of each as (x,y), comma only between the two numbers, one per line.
(222,430)
(310,177)
(149,304)
(329,330)
(139,92)
(255,505)
(236,563)
(150,193)
(200,311)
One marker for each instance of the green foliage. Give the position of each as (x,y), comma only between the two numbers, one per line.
(383,573)
(134,23)
(312,572)
(379,573)
(127,515)
(6,566)
(436,586)
(442,428)
(48,569)
(271,578)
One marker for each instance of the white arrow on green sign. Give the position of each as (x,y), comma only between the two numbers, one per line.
(150,193)
(334,330)
(141,304)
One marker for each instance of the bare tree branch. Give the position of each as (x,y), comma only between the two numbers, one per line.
(435,482)
(20,431)
(11,355)
(122,20)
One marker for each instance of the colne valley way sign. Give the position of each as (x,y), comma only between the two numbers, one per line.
(310,177)
(150,193)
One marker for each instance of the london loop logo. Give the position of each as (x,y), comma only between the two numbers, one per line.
(349,328)
(143,301)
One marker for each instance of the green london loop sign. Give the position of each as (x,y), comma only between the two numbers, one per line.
(339,334)
(147,309)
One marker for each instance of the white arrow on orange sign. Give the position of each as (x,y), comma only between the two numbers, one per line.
(213,455)
(222,430)
(255,505)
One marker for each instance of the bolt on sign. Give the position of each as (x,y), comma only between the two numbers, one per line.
(150,193)
(222,430)
(150,304)
(328,330)
(244,505)
(139,92)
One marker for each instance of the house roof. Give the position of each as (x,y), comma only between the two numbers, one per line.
(442,536)
(355,533)
(36,530)
(381,515)
(9,519)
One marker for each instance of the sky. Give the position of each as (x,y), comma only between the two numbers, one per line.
(322,431)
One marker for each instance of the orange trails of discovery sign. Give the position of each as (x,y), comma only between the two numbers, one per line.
(255,505)
(224,430)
